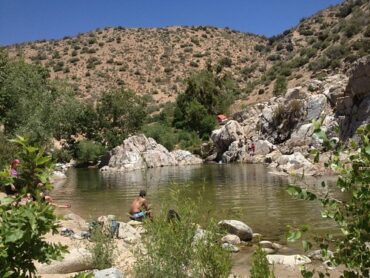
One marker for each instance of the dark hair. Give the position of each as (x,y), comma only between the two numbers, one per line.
(142,193)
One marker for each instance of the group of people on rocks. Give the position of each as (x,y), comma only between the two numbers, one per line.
(14,190)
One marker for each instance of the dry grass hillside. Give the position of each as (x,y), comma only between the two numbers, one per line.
(156,61)
(148,61)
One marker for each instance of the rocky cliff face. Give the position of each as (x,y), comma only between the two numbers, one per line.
(140,152)
(282,128)
(353,107)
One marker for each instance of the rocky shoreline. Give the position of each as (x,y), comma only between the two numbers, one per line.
(241,241)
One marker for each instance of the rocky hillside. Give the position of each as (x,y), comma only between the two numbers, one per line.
(156,61)
(148,61)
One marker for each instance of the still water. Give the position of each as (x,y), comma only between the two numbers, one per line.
(235,191)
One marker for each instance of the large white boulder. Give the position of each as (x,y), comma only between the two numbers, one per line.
(128,233)
(140,152)
(290,260)
(223,137)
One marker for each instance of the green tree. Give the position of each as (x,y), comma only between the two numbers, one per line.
(352,215)
(206,96)
(32,105)
(120,114)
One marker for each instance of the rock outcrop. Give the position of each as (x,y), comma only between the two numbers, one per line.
(140,152)
(222,138)
(353,108)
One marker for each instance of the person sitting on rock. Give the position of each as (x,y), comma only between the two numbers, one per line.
(139,208)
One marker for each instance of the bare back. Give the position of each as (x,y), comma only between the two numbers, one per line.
(137,204)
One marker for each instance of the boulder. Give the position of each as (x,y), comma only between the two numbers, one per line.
(232,239)
(290,260)
(265,244)
(186,158)
(230,247)
(273,156)
(268,250)
(296,163)
(140,152)
(235,227)
(302,136)
(263,147)
(315,105)
(128,233)
(108,273)
(76,260)
(234,153)
(223,137)
(76,221)
(295,93)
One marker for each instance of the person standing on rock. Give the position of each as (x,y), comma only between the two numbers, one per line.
(139,208)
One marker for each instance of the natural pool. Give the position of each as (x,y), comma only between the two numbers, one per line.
(236,191)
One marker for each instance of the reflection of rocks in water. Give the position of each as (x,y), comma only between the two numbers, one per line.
(151,177)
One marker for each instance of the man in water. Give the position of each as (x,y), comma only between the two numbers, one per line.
(139,207)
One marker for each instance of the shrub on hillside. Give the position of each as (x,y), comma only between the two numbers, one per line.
(280,86)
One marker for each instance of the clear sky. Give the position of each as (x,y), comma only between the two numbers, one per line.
(25,20)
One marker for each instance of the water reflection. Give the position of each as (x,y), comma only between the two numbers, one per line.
(239,191)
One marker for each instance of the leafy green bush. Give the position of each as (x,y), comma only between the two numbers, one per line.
(102,248)
(23,227)
(260,265)
(88,151)
(352,216)
(206,96)
(174,250)
(62,155)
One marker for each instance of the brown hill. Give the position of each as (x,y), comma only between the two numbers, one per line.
(156,61)
(148,61)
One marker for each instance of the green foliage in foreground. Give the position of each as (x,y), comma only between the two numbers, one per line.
(352,215)
(22,227)
(174,250)
(260,265)
(102,248)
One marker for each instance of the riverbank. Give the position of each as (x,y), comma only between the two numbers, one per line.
(129,239)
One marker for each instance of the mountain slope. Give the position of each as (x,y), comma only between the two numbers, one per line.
(156,61)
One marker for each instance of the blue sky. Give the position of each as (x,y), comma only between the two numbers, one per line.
(25,20)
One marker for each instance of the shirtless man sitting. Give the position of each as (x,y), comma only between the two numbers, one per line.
(137,206)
